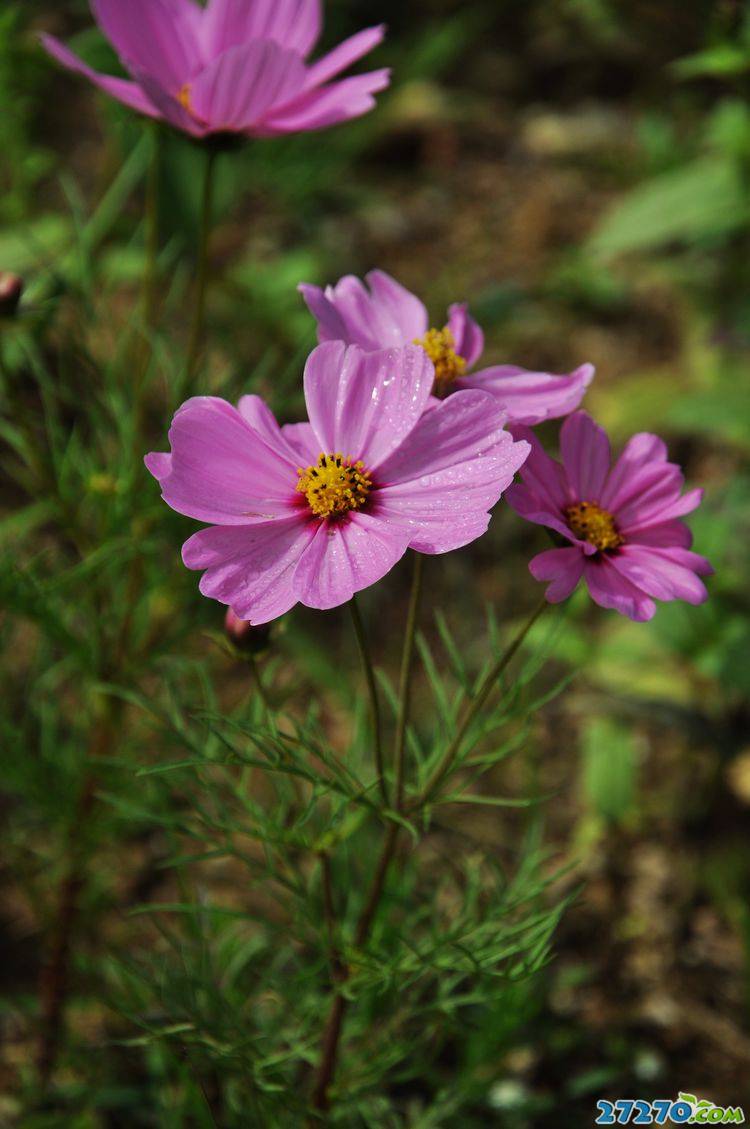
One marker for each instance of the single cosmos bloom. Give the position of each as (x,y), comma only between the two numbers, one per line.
(235,66)
(387,314)
(314,512)
(627,541)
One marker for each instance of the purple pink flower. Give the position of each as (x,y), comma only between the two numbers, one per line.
(235,66)
(387,314)
(627,541)
(314,512)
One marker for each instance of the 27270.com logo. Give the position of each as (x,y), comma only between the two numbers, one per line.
(686,1109)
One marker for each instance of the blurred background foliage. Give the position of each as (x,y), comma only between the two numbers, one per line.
(580,171)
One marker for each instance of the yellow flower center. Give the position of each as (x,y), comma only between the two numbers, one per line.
(334,485)
(440,347)
(184,98)
(591,523)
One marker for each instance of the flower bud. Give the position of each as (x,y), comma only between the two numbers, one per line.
(11,289)
(246,636)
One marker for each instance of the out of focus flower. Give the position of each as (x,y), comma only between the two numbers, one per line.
(11,289)
(314,512)
(235,66)
(387,314)
(627,541)
(246,636)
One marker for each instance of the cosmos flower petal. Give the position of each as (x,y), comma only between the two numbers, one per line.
(384,316)
(344,55)
(610,589)
(454,433)
(363,405)
(237,89)
(331,325)
(467,333)
(152,36)
(544,479)
(641,450)
(302,440)
(260,417)
(585,454)
(667,535)
(159,463)
(531,397)
(687,559)
(327,106)
(661,573)
(129,93)
(190,12)
(432,527)
(407,313)
(250,567)
(531,508)
(222,471)
(657,515)
(648,489)
(169,108)
(294,24)
(449,473)
(345,557)
(562,567)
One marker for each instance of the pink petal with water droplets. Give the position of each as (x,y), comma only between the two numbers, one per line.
(345,557)
(451,470)
(222,470)
(363,405)
(250,567)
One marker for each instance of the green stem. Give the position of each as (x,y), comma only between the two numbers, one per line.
(476,704)
(199,309)
(255,674)
(320,1098)
(149,292)
(338,968)
(404,694)
(372,690)
(152,230)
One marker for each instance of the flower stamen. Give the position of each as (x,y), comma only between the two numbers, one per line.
(591,523)
(184,98)
(334,486)
(440,347)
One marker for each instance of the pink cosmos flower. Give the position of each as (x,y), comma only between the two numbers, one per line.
(387,314)
(627,541)
(235,66)
(314,512)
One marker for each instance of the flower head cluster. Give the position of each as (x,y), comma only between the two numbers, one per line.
(622,522)
(383,313)
(314,512)
(235,66)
